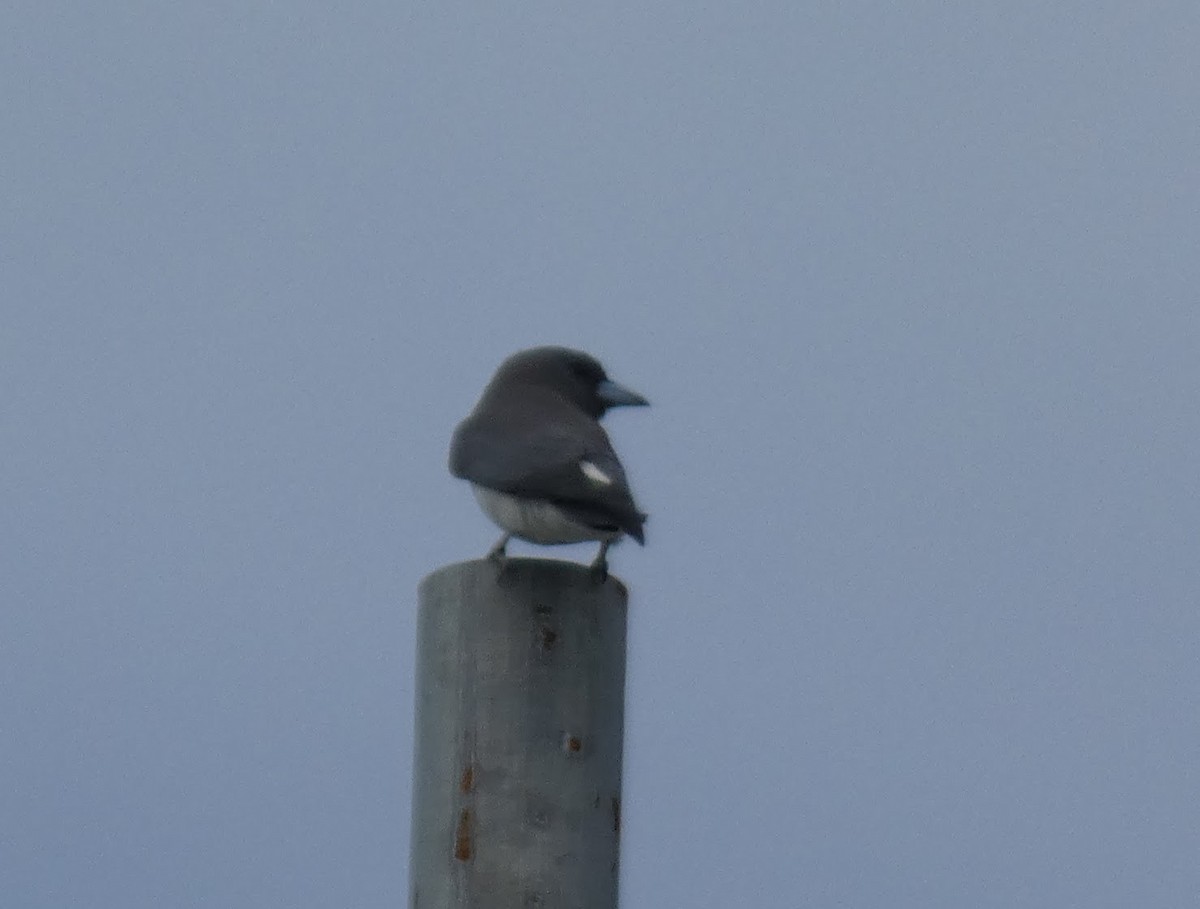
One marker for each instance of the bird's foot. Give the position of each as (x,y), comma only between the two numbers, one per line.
(498,554)
(599,568)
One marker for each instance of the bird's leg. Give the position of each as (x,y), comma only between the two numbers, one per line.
(599,568)
(497,554)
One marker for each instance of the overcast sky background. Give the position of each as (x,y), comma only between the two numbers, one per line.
(913,289)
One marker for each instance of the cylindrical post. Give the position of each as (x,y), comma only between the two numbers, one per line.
(519,724)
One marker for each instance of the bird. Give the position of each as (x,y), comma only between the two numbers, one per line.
(539,462)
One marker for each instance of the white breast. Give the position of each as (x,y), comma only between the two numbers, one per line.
(535,520)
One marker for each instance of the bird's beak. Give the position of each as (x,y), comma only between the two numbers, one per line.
(614,395)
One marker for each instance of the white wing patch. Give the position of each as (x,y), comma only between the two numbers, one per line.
(595,474)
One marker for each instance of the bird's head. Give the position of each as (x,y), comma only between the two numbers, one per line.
(571,373)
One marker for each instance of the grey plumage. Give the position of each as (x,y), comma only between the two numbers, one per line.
(540,463)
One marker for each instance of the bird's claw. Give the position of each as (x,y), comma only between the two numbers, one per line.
(598,572)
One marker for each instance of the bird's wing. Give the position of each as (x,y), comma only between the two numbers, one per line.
(572,465)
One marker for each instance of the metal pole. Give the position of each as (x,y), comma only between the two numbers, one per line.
(519,724)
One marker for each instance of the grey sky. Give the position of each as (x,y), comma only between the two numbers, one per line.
(912,287)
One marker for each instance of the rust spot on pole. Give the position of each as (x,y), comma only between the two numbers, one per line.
(616,814)
(572,744)
(463,846)
(467,783)
(548,637)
